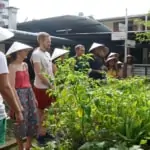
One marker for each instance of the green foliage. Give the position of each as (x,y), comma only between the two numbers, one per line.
(97,114)
(145,36)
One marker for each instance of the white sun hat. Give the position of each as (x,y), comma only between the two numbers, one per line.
(97,45)
(58,52)
(110,58)
(17,46)
(119,62)
(5,34)
(112,54)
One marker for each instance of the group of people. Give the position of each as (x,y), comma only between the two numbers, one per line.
(103,61)
(27,102)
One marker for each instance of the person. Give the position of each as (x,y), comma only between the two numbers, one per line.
(20,81)
(130,66)
(120,69)
(116,55)
(97,64)
(58,53)
(113,54)
(111,65)
(80,51)
(42,65)
(6,91)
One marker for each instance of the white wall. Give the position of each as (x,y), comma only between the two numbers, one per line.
(4,11)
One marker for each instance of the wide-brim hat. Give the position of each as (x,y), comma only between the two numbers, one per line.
(58,52)
(129,56)
(119,62)
(17,46)
(112,54)
(97,45)
(111,58)
(5,34)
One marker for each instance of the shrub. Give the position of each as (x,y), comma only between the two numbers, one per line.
(88,111)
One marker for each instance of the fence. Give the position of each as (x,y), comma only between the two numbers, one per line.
(142,69)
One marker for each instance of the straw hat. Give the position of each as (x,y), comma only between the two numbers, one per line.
(113,54)
(119,63)
(17,46)
(97,45)
(129,56)
(110,58)
(58,52)
(5,34)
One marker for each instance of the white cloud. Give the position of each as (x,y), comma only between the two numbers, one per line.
(37,9)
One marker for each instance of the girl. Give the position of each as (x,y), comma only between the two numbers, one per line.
(19,79)
(111,65)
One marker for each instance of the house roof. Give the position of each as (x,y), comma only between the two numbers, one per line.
(56,25)
(30,37)
(122,17)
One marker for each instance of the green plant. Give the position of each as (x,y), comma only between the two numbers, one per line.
(143,36)
(95,111)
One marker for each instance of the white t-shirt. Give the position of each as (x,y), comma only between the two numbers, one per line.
(45,61)
(3,69)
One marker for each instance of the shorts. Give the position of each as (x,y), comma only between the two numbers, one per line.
(43,99)
(2,131)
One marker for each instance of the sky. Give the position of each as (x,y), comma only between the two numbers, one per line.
(38,9)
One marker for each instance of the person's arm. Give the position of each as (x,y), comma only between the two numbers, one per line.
(6,90)
(26,66)
(37,69)
(7,93)
(12,78)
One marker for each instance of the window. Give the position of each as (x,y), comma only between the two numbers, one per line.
(2,6)
(2,23)
(116,26)
(4,16)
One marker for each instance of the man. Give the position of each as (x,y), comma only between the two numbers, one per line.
(6,91)
(7,94)
(42,64)
(97,66)
(80,51)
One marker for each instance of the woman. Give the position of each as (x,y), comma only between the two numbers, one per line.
(120,69)
(129,66)
(111,65)
(58,53)
(97,66)
(113,54)
(20,82)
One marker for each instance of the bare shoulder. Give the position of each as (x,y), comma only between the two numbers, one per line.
(12,67)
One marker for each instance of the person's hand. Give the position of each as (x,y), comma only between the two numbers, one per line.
(19,117)
(36,103)
(22,109)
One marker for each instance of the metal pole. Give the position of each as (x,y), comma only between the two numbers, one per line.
(146,19)
(126,37)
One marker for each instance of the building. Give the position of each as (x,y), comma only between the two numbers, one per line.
(4,4)
(113,23)
(141,51)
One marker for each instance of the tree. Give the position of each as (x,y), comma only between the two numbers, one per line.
(143,36)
